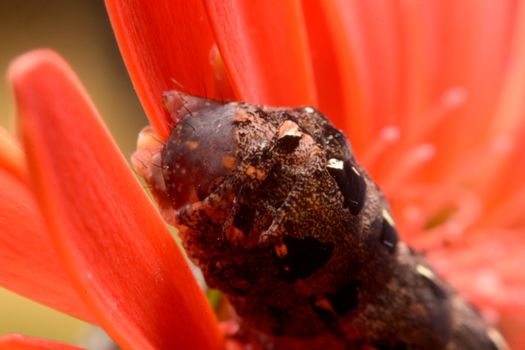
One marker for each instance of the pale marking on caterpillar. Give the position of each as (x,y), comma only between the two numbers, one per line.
(425,272)
(272,205)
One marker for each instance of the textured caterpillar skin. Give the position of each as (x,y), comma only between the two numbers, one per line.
(273,207)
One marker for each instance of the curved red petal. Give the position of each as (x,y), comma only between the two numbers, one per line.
(340,86)
(28,262)
(19,342)
(117,249)
(265,50)
(166,45)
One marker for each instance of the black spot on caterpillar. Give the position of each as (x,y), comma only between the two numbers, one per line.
(271,204)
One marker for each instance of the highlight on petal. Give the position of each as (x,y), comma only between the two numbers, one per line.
(166,45)
(19,342)
(116,248)
(29,264)
(265,50)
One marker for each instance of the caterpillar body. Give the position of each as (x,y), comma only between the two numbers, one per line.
(271,204)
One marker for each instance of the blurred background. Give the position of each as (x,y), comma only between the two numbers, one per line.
(80,31)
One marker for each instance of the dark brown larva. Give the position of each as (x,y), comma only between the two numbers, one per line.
(273,207)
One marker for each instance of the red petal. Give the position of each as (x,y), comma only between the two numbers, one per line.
(166,45)
(118,251)
(265,50)
(339,84)
(28,262)
(19,342)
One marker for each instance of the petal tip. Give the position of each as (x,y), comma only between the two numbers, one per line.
(30,61)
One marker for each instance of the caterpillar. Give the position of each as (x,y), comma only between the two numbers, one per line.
(273,207)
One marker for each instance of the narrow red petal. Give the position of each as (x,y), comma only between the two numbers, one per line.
(19,342)
(265,49)
(366,40)
(117,249)
(340,86)
(29,264)
(511,104)
(166,45)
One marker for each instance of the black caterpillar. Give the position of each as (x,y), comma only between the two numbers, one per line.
(271,204)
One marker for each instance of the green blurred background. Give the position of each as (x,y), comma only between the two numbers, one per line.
(80,31)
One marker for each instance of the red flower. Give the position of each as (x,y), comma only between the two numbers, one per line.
(429,93)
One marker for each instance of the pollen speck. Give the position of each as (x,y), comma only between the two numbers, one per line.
(229,162)
(192,145)
(255,173)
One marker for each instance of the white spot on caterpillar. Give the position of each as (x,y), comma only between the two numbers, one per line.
(497,339)
(335,164)
(309,110)
(388,218)
(425,272)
